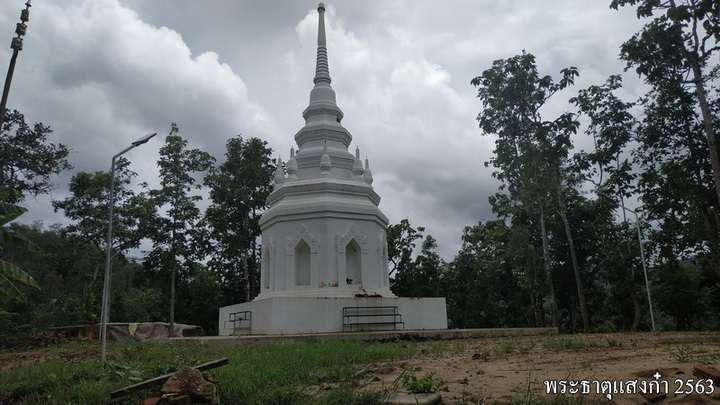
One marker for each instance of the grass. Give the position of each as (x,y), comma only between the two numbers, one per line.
(509,346)
(269,374)
(427,384)
(688,353)
(573,343)
(276,373)
(505,347)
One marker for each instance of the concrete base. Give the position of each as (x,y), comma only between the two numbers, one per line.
(297,315)
(414,335)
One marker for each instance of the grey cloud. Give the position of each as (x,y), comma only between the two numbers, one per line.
(102,73)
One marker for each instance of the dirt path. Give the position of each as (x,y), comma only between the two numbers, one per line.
(501,370)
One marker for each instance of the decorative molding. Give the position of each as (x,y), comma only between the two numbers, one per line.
(304,234)
(352,233)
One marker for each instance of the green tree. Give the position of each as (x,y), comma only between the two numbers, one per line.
(239,188)
(612,127)
(401,245)
(176,232)
(675,51)
(611,169)
(423,277)
(680,282)
(8,270)
(413,276)
(483,286)
(87,207)
(27,160)
(530,151)
(676,180)
(63,271)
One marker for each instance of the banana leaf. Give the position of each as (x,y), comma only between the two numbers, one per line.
(8,271)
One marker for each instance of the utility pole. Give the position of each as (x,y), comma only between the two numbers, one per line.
(17,46)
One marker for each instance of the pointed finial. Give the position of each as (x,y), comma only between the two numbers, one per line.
(322,70)
(279,173)
(321,31)
(368,173)
(292,167)
(325,163)
(357,165)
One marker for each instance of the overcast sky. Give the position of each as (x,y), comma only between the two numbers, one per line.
(102,73)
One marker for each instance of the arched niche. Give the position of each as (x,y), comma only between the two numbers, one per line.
(353,262)
(302,263)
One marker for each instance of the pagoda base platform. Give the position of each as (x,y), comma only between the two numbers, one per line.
(293,315)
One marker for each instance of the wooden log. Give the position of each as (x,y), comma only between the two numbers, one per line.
(161,380)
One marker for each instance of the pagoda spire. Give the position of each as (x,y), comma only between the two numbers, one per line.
(322,96)
(323,138)
(322,69)
(322,116)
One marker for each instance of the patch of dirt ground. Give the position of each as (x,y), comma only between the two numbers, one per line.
(512,369)
(11,360)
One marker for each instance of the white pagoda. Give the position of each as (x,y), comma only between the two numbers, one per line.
(324,255)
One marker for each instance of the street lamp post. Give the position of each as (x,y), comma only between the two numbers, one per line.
(16,45)
(108,249)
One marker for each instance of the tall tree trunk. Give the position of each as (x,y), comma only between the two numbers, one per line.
(630,287)
(562,210)
(636,309)
(548,272)
(538,310)
(173,275)
(692,56)
(536,307)
(708,125)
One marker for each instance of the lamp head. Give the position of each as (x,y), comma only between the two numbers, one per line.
(144,139)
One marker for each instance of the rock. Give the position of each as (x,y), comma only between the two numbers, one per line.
(189,381)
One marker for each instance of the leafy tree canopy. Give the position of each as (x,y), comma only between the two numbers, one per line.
(27,160)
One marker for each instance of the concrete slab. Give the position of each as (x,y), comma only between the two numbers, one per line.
(440,334)
(402,398)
